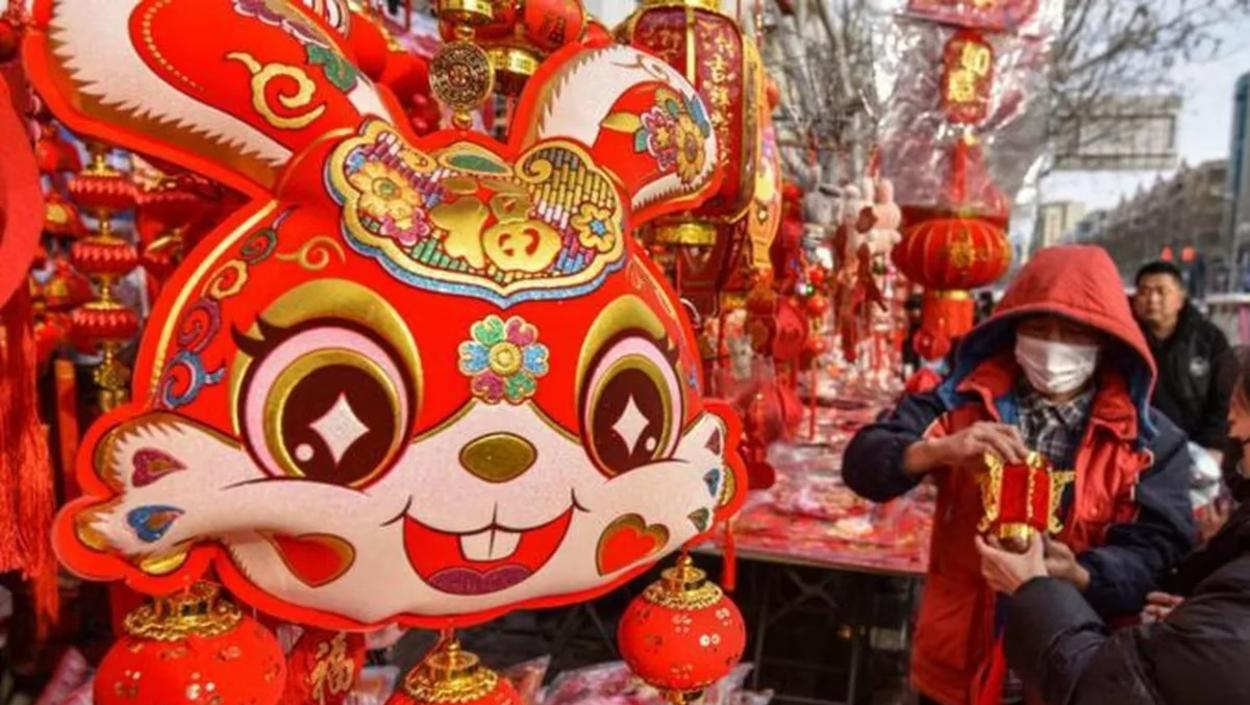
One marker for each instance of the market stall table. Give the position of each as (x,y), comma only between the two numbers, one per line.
(811,520)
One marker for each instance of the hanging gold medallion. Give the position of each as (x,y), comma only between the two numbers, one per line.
(462,78)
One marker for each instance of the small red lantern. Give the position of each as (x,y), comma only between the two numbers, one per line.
(1021,500)
(682,634)
(449,675)
(196,648)
(66,288)
(60,217)
(103,322)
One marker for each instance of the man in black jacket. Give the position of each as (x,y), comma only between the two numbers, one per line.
(1197,655)
(1196,649)
(1189,352)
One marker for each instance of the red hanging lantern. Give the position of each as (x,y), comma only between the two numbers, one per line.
(196,648)
(710,50)
(960,245)
(163,213)
(66,288)
(950,256)
(682,634)
(60,217)
(450,676)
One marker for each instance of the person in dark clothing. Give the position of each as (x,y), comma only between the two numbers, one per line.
(1194,648)
(1236,469)
(1188,351)
(1060,368)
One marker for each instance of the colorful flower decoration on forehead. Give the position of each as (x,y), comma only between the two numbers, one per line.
(389,198)
(503,359)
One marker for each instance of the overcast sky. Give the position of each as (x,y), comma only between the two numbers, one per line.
(1205,127)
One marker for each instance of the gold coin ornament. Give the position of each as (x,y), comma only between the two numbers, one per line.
(461,76)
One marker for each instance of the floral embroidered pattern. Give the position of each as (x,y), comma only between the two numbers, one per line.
(595,227)
(388,198)
(674,132)
(503,359)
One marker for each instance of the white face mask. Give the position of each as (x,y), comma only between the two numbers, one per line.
(1053,367)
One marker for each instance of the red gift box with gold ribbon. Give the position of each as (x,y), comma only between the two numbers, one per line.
(1021,499)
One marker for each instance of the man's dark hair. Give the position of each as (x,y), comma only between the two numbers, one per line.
(1160,267)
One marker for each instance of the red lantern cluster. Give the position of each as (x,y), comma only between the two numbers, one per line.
(196,648)
(104,322)
(683,634)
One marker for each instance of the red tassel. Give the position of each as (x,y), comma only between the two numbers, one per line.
(25,463)
(729,556)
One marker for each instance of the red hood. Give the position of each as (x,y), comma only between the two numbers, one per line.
(1079,282)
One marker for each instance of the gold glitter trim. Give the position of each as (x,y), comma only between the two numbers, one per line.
(683,587)
(200,611)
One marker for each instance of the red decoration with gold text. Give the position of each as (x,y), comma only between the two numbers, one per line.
(711,51)
(322,667)
(487,392)
(967,77)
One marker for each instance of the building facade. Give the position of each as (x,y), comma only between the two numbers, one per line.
(1237,222)
(1184,215)
(1057,222)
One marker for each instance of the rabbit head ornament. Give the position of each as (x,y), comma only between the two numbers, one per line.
(422,381)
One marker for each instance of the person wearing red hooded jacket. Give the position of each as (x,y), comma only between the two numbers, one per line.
(1060,368)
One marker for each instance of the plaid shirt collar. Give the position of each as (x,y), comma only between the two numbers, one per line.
(1052,429)
(1071,413)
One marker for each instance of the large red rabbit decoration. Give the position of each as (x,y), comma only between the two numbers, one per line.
(422,381)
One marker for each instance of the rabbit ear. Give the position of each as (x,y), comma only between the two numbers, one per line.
(641,120)
(229,88)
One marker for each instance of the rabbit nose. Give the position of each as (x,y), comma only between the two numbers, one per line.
(498,457)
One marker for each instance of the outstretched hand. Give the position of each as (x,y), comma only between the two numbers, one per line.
(1005,571)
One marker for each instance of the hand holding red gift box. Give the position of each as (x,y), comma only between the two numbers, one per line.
(1021,499)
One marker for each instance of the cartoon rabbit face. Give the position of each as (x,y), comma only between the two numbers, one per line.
(423,381)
